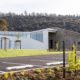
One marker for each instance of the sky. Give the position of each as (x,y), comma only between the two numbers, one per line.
(63,7)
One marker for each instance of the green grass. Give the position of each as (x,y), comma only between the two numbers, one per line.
(25,52)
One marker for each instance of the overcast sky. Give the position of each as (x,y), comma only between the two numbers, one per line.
(41,6)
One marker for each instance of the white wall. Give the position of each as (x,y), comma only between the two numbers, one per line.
(26,41)
(29,43)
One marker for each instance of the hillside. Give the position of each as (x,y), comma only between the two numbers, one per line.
(29,22)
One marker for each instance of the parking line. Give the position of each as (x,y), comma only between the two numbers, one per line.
(2,72)
(54,63)
(19,67)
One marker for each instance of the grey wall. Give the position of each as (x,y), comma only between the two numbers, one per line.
(69,37)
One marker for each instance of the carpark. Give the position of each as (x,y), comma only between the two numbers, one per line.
(29,62)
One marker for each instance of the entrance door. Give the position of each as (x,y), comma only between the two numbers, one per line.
(51,40)
(50,44)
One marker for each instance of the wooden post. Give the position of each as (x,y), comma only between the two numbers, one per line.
(64,59)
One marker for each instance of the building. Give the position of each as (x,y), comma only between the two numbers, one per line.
(44,39)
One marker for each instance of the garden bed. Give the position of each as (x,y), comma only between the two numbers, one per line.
(41,74)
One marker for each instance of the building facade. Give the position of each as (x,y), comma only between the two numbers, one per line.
(45,39)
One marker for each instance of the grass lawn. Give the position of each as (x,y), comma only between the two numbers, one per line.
(24,52)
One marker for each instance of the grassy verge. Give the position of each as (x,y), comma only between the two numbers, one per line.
(16,52)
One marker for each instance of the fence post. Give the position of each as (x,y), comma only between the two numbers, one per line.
(63,59)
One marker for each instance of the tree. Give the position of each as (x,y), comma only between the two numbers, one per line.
(4,27)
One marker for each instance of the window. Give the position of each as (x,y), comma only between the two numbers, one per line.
(37,36)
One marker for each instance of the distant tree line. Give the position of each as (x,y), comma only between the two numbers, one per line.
(35,21)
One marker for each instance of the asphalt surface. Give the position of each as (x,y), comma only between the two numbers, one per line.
(10,64)
(29,62)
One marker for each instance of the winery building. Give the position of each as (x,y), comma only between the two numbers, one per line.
(44,39)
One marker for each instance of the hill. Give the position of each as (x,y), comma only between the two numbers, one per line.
(29,22)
